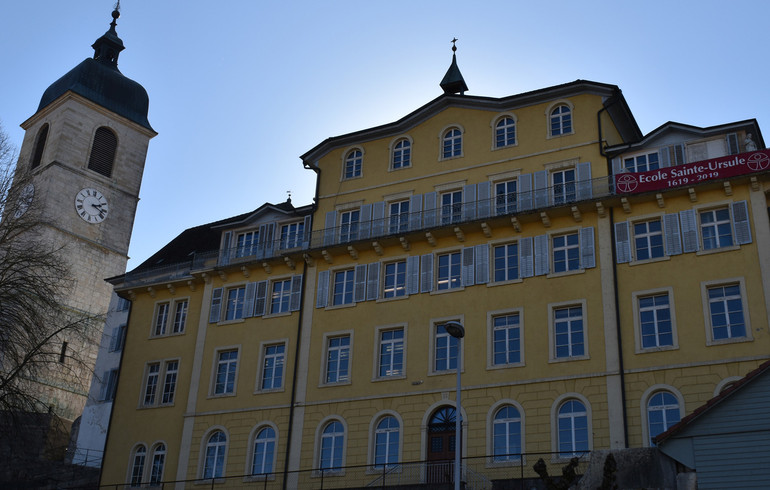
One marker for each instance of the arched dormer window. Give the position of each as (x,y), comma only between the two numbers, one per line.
(353,164)
(37,154)
(560,120)
(402,154)
(103,151)
(451,143)
(505,132)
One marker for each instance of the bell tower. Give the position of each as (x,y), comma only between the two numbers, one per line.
(84,150)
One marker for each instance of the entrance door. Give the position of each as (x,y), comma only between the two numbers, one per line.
(441,446)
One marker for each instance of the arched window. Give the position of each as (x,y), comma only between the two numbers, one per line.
(158,461)
(353,163)
(332,444)
(214,459)
(662,413)
(264,452)
(561,120)
(573,428)
(386,442)
(506,438)
(37,155)
(137,465)
(402,154)
(505,132)
(103,151)
(452,143)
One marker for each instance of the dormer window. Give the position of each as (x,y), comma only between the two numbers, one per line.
(246,244)
(353,164)
(292,235)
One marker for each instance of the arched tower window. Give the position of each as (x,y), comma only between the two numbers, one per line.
(103,151)
(37,155)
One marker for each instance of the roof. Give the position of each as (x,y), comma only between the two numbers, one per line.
(703,409)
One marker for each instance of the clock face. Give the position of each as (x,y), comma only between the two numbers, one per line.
(91,205)
(25,200)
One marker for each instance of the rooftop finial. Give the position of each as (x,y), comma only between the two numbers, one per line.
(115,15)
(453,80)
(454,43)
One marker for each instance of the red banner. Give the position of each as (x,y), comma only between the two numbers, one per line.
(692,173)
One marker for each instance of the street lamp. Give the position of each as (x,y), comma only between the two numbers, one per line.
(456,330)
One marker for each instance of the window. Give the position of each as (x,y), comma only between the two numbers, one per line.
(343,287)
(158,461)
(169,382)
(37,155)
(123,304)
(449,271)
(226,369)
(386,442)
(655,325)
(726,313)
(662,413)
(338,359)
(566,253)
(563,182)
(648,239)
(716,228)
(506,434)
(572,429)
(568,335)
(561,120)
(642,163)
(505,197)
(103,151)
(505,132)
(161,318)
(153,376)
(137,465)
(349,225)
(272,367)
(292,235)
(452,143)
(402,154)
(332,445)
(506,263)
(395,280)
(234,307)
(118,338)
(353,162)
(151,384)
(281,297)
(446,350)
(391,359)
(214,455)
(264,452)
(180,316)
(506,339)
(160,326)
(451,207)
(247,244)
(399,217)
(109,384)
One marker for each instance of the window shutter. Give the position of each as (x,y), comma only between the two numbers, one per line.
(584,184)
(671,234)
(524,194)
(266,239)
(469,202)
(296,292)
(617,166)
(373,282)
(359,285)
(415,212)
(330,227)
(103,151)
(541,189)
(216,305)
(482,263)
(622,243)
(542,259)
(322,293)
(248,304)
(732,144)
(308,231)
(484,199)
(664,157)
(365,228)
(225,253)
(426,273)
(260,302)
(679,158)
(587,252)
(430,210)
(378,219)
(114,339)
(468,269)
(741,222)
(689,230)
(527,266)
(413,275)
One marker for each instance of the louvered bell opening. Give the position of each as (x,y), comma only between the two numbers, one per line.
(103,152)
(42,136)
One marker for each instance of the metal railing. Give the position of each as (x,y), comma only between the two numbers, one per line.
(85,457)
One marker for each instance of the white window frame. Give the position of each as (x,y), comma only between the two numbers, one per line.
(705,286)
(319,445)
(154,453)
(507,202)
(396,151)
(327,338)
(453,212)
(400,290)
(636,163)
(549,114)
(132,466)
(398,222)
(490,432)
(291,235)
(246,243)
(227,301)
(644,402)
(491,315)
(349,228)
(715,225)
(569,188)
(263,357)
(355,162)
(345,290)
(434,324)
(181,309)
(373,432)
(495,124)
(552,307)
(252,453)
(160,319)
(454,282)
(555,423)
(160,382)
(647,235)
(566,248)
(150,375)
(204,450)
(452,139)
(215,370)
(378,331)
(284,297)
(493,269)
(638,295)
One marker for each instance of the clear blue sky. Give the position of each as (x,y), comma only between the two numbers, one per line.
(240,89)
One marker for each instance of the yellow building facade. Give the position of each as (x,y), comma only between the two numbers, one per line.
(607,281)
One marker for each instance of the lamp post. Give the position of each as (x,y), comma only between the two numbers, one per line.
(456,330)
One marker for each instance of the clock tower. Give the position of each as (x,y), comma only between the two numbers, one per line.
(84,150)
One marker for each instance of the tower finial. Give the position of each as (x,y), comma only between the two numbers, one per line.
(453,81)
(115,16)
(454,44)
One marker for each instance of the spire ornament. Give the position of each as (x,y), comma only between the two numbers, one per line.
(453,81)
